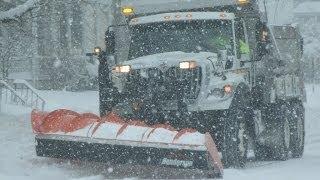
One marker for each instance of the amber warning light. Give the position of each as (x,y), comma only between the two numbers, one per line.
(243,1)
(127,11)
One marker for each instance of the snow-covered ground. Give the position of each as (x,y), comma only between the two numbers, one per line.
(19,162)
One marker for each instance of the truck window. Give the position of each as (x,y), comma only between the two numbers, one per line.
(240,31)
(185,36)
(242,45)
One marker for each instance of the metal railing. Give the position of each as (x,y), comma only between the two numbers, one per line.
(9,96)
(29,94)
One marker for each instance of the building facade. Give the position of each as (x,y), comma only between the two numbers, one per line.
(47,44)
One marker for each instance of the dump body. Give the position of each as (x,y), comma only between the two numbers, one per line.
(281,73)
(289,44)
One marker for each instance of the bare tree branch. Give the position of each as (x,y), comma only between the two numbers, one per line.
(19,10)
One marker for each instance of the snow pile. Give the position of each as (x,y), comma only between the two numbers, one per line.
(87,101)
(19,10)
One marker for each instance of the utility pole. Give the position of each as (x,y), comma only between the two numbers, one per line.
(116,5)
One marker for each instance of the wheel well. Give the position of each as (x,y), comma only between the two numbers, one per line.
(242,93)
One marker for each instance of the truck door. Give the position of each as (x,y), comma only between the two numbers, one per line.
(243,48)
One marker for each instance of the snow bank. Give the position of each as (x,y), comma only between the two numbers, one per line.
(19,10)
(87,101)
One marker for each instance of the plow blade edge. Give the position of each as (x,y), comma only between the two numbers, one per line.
(68,135)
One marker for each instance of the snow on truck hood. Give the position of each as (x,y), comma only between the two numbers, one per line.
(169,59)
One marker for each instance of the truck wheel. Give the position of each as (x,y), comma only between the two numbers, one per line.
(235,138)
(281,149)
(261,152)
(297,129)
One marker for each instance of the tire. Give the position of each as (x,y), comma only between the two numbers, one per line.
(282,115)
(297,129)
(236,134)
(262,153)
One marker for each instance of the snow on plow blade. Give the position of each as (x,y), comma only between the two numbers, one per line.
(68,135)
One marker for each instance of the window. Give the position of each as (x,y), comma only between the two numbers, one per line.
(185,36)
(241,40)
(240,31)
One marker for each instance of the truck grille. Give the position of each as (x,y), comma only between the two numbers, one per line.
(172,84)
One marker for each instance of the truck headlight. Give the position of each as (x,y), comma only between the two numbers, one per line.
(228,89)
(188,65)
(122,69)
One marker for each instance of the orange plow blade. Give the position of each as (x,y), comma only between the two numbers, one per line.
(70,135)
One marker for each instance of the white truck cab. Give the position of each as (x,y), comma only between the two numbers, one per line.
(200,64)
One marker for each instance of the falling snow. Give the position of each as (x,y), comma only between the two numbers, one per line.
(171,76)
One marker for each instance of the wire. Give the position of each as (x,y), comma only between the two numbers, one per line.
(266,11)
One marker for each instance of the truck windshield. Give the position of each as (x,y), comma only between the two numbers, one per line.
(185,36)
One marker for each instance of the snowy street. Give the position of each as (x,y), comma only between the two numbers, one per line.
(163,89)
(19,162)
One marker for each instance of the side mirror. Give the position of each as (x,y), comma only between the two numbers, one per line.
(263,40)
(110,42)
(262,48)
(96,52)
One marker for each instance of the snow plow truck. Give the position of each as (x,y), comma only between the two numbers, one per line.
(184,84)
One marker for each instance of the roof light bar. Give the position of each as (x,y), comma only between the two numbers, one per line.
(243,1)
